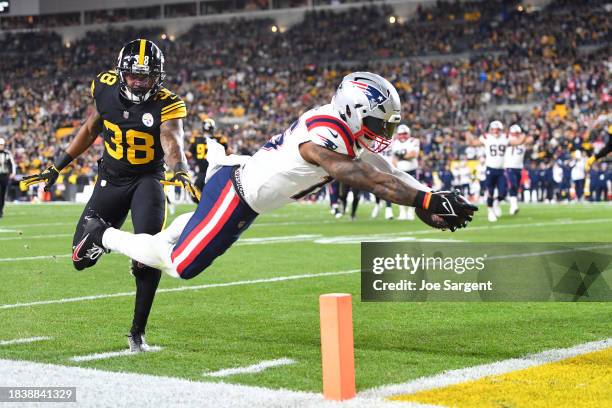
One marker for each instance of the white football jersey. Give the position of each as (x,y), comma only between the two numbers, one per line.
(515,156)
(495,150)
(579,169)
(398,147)
(277,174)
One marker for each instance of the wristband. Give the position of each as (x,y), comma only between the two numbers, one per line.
(422,200)
(63,161)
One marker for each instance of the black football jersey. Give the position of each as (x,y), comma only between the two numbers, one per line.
(131,131)
(199,149)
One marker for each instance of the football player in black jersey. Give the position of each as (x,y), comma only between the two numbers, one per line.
(141,123)
(199,149)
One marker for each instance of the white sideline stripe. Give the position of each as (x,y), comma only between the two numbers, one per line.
(186,251)
(23,341)
(252,369)
(97,388)
(452,377)
(181,289)
(111,354)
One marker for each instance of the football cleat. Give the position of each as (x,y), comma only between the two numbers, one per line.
(137,343)
(388,213)
(90,247)
(491,215)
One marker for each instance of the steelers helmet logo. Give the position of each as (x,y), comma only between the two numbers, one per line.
(147,119)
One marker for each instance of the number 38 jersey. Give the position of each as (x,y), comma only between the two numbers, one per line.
(495,150)
(277,174)
(131,131)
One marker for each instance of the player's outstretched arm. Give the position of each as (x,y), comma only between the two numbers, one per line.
(361,175)
(87,134)
(172,141)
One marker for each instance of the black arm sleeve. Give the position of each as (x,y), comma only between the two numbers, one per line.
(606,149)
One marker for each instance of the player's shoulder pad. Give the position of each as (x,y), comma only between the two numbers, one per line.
(331,132)
(103,80)
(172,106)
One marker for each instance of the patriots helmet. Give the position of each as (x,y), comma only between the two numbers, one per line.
(403,133)
(370,105)
(496,127)
(143,61)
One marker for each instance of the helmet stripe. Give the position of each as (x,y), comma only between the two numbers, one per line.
(141,54)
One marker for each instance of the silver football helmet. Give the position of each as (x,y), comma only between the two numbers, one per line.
(370,105)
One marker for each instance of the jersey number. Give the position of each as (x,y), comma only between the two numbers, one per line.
(108,78)
(497,150)
(201,151)
(517,150)
(132,146)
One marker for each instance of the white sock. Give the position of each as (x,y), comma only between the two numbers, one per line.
(151,250)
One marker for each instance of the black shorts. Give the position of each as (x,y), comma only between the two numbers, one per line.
(113,197)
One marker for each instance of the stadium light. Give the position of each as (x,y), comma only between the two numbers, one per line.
(274,28)
(392,19)
(164,36)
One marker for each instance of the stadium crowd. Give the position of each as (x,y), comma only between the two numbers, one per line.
(456,66)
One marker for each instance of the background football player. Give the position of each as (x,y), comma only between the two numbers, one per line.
(513,163)
(141,123)
(406,150)
(495,143)
(198,149)
(339,140)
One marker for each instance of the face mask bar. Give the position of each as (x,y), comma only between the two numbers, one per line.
(379,132)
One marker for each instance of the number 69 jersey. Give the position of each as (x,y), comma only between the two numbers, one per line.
(495,150)
(131,131)
(277,174)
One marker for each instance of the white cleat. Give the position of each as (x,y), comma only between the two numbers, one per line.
(388,213)
(491,215)
(375,211)
(513,206)
(497,210)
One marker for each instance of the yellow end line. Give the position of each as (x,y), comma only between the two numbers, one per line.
(580,381)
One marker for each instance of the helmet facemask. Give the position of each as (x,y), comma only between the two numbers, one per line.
(376,134)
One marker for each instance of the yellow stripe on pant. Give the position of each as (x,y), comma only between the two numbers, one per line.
(582,381)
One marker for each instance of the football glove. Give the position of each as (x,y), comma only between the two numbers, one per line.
(454,209)
(48,176)
(183,179)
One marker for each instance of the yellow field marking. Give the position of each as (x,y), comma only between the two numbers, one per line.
(582,381)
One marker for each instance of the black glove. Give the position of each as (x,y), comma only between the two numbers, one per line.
(185,179)
(49,177)
(451,206)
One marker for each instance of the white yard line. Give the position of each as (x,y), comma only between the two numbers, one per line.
(252,369)
(96,388)
(34,258)
(452,377)
(23,341)
(22,237)
(397,236)
(111,354)
(180,289)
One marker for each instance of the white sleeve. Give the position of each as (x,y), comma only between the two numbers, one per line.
(381,164)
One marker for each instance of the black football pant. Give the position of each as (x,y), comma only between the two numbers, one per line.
(4,183)
(144,197)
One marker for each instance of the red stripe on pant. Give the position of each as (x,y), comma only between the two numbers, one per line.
(209,237)
(203,223)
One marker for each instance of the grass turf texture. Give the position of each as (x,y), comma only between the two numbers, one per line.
(215,328)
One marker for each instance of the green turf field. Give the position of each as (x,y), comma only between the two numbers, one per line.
(236,325)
